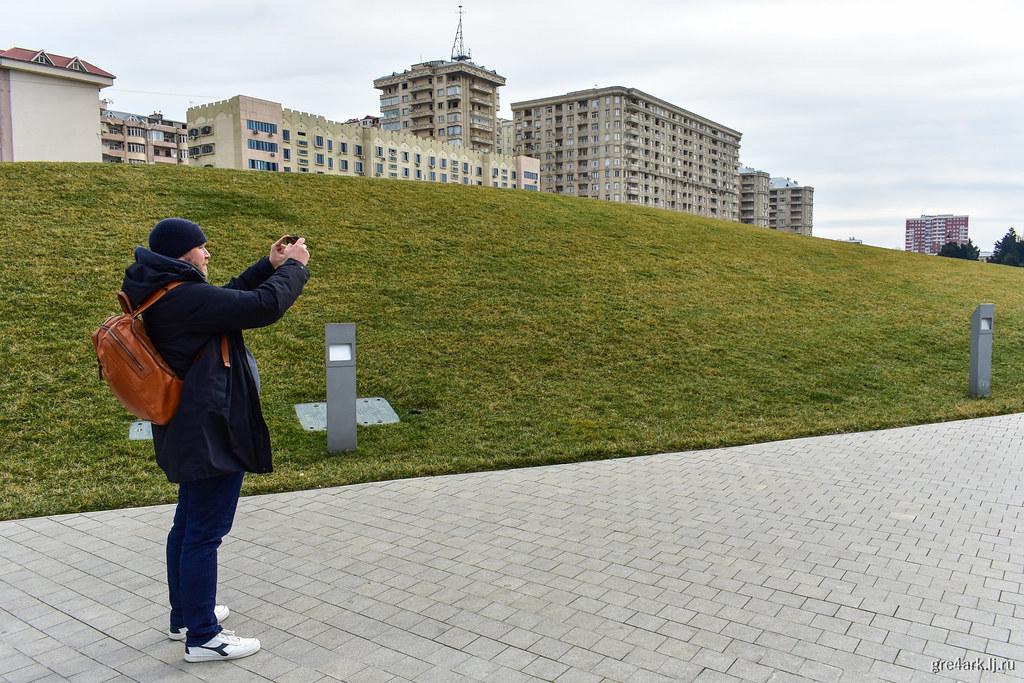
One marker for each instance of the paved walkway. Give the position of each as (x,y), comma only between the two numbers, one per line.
(878,556)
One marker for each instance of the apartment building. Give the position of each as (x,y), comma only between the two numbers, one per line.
(506,136)
(136,139)
(755,187)
(623,145)
(790,206)
(451,101)
(249,133)
(928,234)
(49,107)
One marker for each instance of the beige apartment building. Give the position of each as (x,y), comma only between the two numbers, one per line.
(454,101)
(623,145)
(49,107)
(506,136)
(790,206)
(755,187)
(777,203)
(249,133)
(135,139)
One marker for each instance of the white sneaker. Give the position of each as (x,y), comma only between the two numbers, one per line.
(221,612)
(225,645)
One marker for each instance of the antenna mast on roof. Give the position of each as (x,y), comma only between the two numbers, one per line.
(459,51)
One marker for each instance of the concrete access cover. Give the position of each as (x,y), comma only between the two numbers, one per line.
(140,431)
(369,411)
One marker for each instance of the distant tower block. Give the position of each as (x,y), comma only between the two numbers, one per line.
(454,101)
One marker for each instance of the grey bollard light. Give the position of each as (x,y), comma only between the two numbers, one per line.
(981,349)
(341,386)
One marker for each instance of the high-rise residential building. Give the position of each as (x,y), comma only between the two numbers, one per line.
(755,187)
(790,206)
(623,145)
(506,136)
(136,139)
(49,107)
(249,133)
(928,234)
(453,101)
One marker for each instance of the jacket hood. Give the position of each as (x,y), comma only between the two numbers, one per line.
(152,271)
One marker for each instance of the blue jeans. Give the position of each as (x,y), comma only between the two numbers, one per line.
(206,509)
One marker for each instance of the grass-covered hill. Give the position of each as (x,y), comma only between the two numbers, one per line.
(506,328)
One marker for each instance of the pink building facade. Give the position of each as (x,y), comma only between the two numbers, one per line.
(927,234)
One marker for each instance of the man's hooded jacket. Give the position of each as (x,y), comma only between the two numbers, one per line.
(219,427)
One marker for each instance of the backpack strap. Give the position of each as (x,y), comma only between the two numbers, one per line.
(224,350)
(126,304)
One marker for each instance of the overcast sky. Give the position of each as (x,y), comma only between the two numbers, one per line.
(888,108)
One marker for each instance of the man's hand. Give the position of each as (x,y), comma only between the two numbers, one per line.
(282,250)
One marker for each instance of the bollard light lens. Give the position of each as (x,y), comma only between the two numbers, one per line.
(339,352)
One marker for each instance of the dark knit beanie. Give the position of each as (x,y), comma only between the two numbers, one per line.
(175,237)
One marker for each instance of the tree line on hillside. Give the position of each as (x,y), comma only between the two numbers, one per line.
(1009,251)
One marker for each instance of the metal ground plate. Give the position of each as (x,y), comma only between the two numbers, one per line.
(369,411)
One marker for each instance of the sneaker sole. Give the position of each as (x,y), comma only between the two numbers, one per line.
(207,655)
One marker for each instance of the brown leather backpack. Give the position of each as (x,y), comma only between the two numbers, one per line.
(136,373)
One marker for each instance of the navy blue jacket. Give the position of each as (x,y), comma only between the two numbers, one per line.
(219,427)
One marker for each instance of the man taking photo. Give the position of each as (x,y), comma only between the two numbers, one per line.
(218,432)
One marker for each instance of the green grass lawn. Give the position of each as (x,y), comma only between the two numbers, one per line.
(506,328)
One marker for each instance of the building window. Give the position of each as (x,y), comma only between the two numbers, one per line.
(359,167)
(318,141)
(286,134)
(261,126)
(319,159)
(359,150)
(343,164)
(343,147)
(260,165)
(262,145)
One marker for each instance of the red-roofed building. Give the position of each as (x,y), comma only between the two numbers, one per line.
(49,107)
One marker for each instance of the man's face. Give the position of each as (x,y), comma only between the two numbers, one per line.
(198,257)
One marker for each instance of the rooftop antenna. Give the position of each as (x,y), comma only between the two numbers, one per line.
(459,51)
